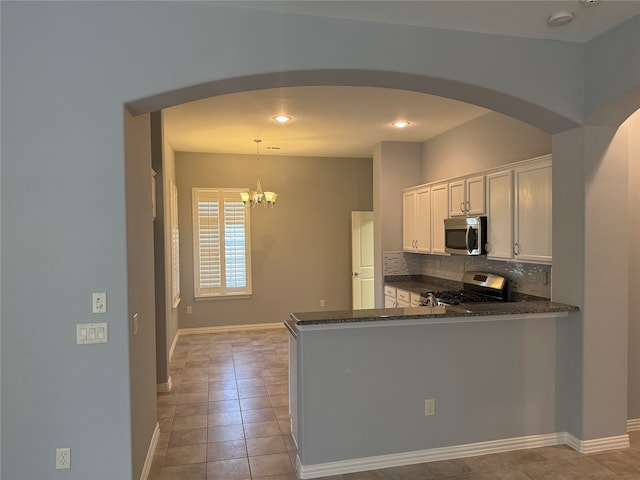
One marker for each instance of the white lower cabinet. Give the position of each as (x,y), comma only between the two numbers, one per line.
(519,212)
(389,297)
(403,298)
(415,300)
(397,297)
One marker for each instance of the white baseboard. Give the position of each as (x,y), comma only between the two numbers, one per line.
(633,424)
(430,455)
(230,328)
(146,469)
(164,387)
(173,345)
(597,444)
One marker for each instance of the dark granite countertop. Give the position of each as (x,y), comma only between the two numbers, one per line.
(441,313)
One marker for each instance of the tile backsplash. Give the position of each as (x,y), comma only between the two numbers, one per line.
(526,278)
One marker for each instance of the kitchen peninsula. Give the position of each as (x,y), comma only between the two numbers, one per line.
(385,387)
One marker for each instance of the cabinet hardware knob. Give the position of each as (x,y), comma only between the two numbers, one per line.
(516,248)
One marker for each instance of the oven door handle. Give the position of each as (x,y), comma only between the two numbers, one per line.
(466,238)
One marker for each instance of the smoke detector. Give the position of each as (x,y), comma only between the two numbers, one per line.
(561,17)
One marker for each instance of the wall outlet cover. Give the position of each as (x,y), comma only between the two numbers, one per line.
(63,458)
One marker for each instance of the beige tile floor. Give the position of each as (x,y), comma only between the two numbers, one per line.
(227,419)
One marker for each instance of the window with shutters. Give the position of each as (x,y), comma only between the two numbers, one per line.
(221,243)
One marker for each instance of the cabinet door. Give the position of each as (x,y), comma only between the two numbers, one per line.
(457,198)
(439,211)
(409,220)
(423,220)
(533,213)
(475,195)
(500,215)
(389,302)
(415,300)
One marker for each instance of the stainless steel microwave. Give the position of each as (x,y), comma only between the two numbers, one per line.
(465,235)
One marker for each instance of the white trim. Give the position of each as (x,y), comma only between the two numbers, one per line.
(633,424)
(173,345)
(146,469)
(164,387)
(597,444)
(430,455)
(230,328)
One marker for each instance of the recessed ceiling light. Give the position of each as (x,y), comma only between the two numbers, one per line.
(282,118)
(400,124)
(561,17)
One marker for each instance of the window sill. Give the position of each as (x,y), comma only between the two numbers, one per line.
(226,296)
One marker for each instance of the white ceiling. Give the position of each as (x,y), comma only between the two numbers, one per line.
(327,121)
(349,121)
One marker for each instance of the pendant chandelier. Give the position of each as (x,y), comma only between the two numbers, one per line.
(258,197)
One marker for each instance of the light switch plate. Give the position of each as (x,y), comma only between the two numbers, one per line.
(87,333)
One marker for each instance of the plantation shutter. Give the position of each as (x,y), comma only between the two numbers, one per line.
(221,243)
(235,243)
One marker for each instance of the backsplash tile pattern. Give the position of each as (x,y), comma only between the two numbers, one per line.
(526,278)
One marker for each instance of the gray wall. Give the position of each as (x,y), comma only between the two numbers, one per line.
(396,165)
(483,143)
(163,160)
(597,383)
(633,131)
(301,249)
(65,78)
(140,282)
(478,373)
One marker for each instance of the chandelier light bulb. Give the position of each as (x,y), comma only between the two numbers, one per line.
(258,197)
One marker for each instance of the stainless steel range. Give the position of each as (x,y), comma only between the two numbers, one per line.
(476,287)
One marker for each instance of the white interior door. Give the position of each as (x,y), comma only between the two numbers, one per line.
(362,260)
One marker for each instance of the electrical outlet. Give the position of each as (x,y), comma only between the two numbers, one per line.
(323,303)
(189,310)
(63,458)
(429,407)
(99,302)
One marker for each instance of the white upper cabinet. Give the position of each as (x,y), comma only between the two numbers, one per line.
(475,195)
(416,220)
(466,196)
(519,212)
(423,220)
(533,211)
(516,199)
(409,220)
(500,215)
(439,211)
